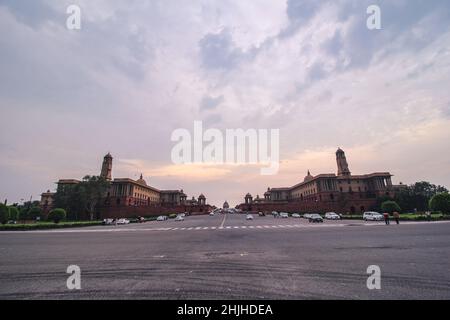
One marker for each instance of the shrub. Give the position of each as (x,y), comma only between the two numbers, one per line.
(4,214)
(440,202)
(13,213)
(34,212)
(56,215)
(390,206)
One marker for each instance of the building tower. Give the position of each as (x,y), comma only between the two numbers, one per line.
(107,167)
(342,164)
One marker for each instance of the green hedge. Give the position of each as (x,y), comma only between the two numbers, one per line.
(48,225)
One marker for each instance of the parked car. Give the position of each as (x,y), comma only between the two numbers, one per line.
(372,216)
(315,218)
(306,215)
(296,215)
(332,216)
(108,221)
(179,218)
(162,218)
(284,215)
(123,221)
(249,217)
(141,220)
(261,214)
(211,213)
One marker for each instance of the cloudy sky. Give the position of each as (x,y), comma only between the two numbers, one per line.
(137,70)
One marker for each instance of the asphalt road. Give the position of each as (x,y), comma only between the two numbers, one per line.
(227,257)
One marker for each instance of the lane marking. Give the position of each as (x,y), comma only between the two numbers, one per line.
(121,229)
(223,221)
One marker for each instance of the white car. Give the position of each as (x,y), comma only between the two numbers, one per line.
(179,218)
(108,221)
(123,221)
(307,215)
(162,218)
(296,215)
(249,217)
(372,216)
(284,215)
(211,213)
(332,216)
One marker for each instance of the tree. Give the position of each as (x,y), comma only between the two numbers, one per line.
(4,213)
(13,213)
(83,197)
(390,206)
(417,195)
(92,190)
(441,202)
(34,212)
(57,215)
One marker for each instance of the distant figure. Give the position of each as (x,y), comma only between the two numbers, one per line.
(428,214)
(386,218)
(397,217)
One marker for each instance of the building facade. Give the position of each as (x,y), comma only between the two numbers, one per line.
(128,198)
(342,192)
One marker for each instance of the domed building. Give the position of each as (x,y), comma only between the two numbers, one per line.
(340,192)
(127,197)
(226,205)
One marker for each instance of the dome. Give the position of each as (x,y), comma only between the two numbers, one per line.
(202,196)
(141,181)
(339,150)
(108,155)
(308,177)
(248,195)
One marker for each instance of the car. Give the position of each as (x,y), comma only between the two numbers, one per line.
(315,218)
(296,215)
(332,216)
(306,215)
(249,217)
(211,213)
(261,214)
(372,216)
(284,215)
(179,218)
(182,215)
(162,218)
(123,221)
(108,221)
(141,220)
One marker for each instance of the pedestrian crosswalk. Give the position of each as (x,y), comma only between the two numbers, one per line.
(250,228)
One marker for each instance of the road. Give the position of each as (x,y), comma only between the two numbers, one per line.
(227,257)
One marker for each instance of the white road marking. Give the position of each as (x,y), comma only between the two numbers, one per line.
(223,221)
(122,229)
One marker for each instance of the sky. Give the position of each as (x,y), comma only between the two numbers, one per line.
(138,70)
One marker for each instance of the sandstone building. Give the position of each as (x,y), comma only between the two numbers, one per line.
(341,192)
(127,197)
